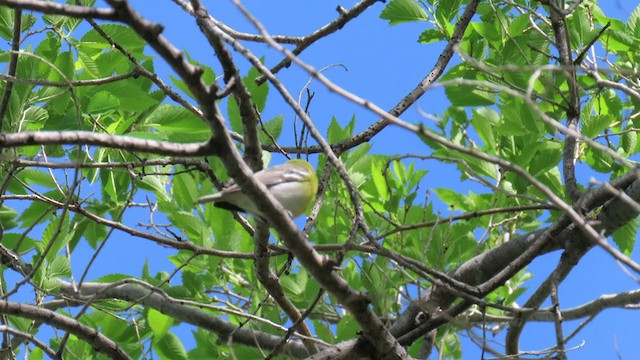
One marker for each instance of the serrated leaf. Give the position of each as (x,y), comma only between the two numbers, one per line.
(206,345)
(35,117)
(169,347)
(157,184)
(593,125)
(598,160)
(258,92)
(453,199)
(547,156)
(430,35)
(123,35)
(110,278)
(295,283)
(131,95)
(184,190)
(86,63)
(64,68)
(633,25)
(37,177)
(189,224)
(484,121)
(272,130)
(6,23)
(159,323)
(379,180)
(401,11)
(625,236)
(629,142)
(447,10)
(60,267)
(58,234)
(176,123)
(103,102)
(466,95)
(10,240)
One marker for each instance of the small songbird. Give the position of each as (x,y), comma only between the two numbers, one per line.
(294,184)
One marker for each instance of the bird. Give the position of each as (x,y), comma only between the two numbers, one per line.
(294,184)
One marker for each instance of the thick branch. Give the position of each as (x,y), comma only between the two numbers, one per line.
(176,309)
(92,336)
(248,112)
(271,283)
(106,140)
(563,44)
(484,266)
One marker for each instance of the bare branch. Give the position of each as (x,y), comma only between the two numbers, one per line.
(106,140)
(48,7)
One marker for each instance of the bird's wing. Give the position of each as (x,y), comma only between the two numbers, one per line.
(270,177)
(281,174)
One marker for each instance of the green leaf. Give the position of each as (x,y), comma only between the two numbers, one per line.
(271,130)
(295,283)
(159,323)
(625,237)
(633,24)
(447,10)
(484,120)
(90,67)
(65,68)
(157,184)
(10,240)
(56,232)
(599,161)
(8,219)
(39,211)
(60,267)
(379,180)
(491,32)
(347,327)
(6,23)
(36,354)
(430,35)
(103,102)
(109,187)
(35,117)
(189,224)
(258,92)
(37,177)
(629,142)
(125,36)
(593,125)
(512,126)
(169,347)
(466,95)
(336,133)
(258,97)
(453,199)
(131,95)
(176,123)
(110,278)
(547,156)
(184,190)
(206,345)
(401,11)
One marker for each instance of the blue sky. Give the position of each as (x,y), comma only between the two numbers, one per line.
(383,64)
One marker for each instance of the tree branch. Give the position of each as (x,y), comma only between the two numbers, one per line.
(92,336)
(107,140)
